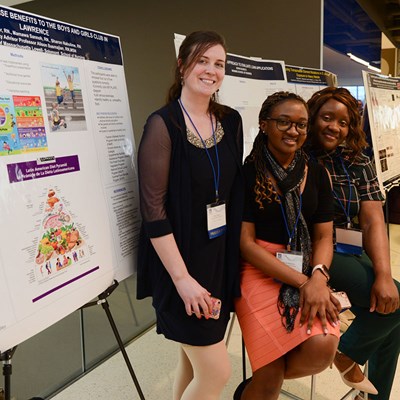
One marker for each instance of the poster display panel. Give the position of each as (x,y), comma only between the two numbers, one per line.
(383,102)
(248,82)
(67,171)
(306,81)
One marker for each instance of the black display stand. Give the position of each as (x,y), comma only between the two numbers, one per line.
(7,371)
(102,299)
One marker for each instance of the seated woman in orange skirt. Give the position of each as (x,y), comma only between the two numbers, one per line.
(288,317)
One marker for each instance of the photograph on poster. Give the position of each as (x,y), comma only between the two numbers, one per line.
(22,127)
(8,132)
(63,95)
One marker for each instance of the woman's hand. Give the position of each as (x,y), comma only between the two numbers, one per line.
(315,298)
(384,296)
(196,298)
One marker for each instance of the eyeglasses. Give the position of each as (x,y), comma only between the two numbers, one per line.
(284,125)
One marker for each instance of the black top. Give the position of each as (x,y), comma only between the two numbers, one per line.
(176,184)
(317,205)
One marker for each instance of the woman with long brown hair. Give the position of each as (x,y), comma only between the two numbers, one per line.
(190,183)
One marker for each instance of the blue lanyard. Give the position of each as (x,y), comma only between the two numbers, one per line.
(218,174)
(290,234)
(346,212)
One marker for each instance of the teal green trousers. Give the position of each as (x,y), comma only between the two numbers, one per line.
(371,336)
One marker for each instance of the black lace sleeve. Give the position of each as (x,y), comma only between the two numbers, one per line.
(153,166)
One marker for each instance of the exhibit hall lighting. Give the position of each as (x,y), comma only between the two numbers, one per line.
(363,62)
(374,69)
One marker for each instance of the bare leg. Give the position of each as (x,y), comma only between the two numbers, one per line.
(211,369)
(266,382)
(311,357)
(183,376)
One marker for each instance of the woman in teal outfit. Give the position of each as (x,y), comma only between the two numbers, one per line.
(337,141)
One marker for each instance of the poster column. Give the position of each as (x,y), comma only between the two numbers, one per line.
(383,108)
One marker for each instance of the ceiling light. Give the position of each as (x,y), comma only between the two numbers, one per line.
(374,69)
(357,59)
(363,62)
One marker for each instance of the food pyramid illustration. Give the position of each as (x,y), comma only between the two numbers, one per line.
(61,244)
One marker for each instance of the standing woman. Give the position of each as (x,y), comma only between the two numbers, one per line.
(190,191)
(288,206)
(337,142)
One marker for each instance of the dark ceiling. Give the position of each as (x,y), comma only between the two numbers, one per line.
(355,26)
(349,29)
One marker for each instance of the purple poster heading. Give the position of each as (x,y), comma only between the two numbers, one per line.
(42,168)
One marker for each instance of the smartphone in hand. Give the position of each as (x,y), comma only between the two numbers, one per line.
(343,300)
(215,308)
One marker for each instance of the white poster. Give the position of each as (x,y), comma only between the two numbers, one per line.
(306,81)
(383,103)
(69,209)
(248,82)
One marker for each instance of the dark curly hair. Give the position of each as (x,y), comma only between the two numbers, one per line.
(191,49)
(356,139)
(263,188)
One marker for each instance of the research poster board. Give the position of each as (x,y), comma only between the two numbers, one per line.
(248,82)
(69,210)
(306,81)
(383,102)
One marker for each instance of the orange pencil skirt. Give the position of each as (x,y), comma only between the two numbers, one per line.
(265,337)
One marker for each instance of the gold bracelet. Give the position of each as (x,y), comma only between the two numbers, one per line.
(304,283)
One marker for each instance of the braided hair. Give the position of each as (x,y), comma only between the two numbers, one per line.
(263,188)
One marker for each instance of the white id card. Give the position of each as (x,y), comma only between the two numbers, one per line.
(216,219)
(349,241)
(293,259)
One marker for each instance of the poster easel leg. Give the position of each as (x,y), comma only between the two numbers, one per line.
(7,371)
(104,303)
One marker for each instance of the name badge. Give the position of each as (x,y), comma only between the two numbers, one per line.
(216,219)
(293,259)
(349,241)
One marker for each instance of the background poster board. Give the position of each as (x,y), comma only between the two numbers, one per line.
(383,102)
(68,181)
(306,81)
(247,83)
